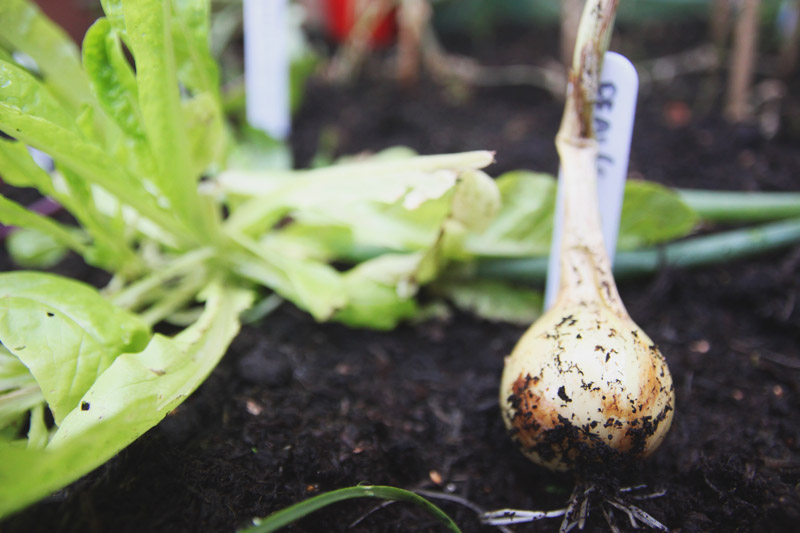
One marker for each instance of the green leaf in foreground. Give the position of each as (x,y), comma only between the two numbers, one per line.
(297,511)
(135,393)
(65,333)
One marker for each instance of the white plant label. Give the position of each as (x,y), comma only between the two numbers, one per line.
(614,112)
(266,66)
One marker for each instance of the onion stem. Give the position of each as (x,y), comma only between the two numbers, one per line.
(736,206)
(693,252)
(584,265)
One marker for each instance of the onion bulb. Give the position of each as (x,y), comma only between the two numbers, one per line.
(585,383)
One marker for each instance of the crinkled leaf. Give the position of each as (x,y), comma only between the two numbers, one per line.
(652,213)
(338,196)
(64,332)
(394,226)
(112,78)
(135,393)
(150,41)
(33,117)
(115,15)
(493,300)
(336,190)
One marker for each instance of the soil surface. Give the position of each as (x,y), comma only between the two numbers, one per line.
(297,408)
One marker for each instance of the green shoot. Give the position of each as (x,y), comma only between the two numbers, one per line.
(297,511)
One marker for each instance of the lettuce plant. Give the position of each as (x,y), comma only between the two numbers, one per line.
(135,127)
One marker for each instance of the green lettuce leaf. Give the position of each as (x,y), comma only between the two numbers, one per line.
(651,214)
(64,332)
(524,224)
(135,393)
(112,79)
(493,300)
(380,292)
(149,38)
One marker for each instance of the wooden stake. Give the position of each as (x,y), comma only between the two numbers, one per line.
(738,106)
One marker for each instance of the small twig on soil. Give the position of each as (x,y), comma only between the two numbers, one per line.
(466,70)
(609,516)
(413,18)
(634,514)
(649,496)
(518,516)
(457,499)
(369,513)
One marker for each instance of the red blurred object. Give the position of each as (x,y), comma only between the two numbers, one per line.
(342,15)
(74,16)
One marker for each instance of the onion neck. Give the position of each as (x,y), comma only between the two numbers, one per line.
(585,268)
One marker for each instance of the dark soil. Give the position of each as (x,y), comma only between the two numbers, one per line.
(298,408)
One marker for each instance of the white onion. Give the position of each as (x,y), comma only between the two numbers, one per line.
(585,384)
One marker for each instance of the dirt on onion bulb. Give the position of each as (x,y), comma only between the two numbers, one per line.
(585,384)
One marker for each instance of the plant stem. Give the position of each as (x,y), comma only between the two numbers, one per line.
(585,270)
(137,293)
(697,251)
(175,299)
(729,206)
